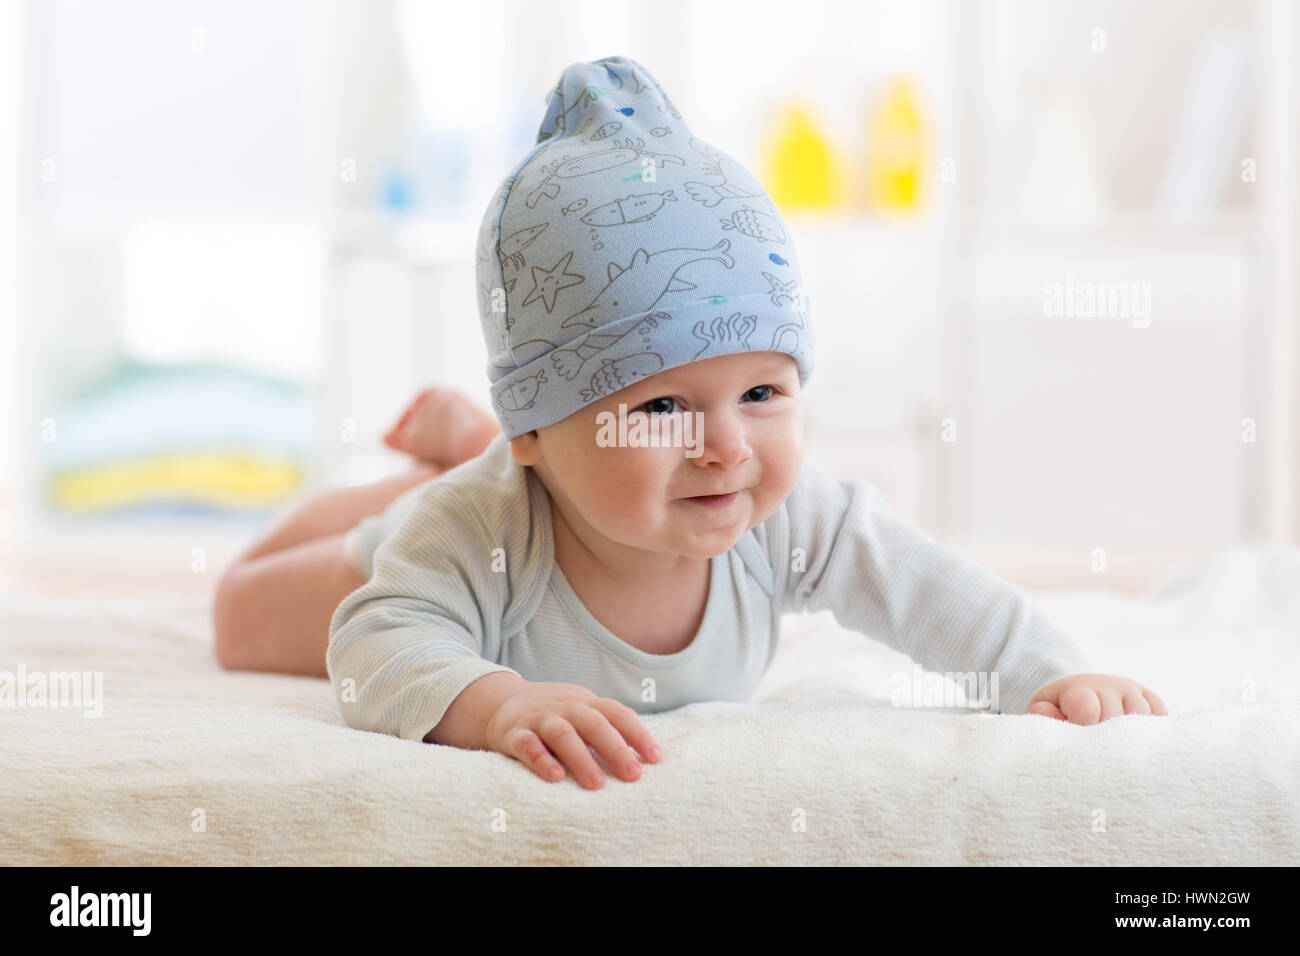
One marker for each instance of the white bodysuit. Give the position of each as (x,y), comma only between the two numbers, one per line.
(462,581)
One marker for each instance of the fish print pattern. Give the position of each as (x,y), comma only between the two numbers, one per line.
(603,131)
(616,374)
(511,248)
(620,214)
(566,168)
(522,393)
(755,224)
(638,207)
(569,361)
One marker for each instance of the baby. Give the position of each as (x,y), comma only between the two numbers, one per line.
(629,540)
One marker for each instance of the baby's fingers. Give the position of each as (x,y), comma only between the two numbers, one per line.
(1045,708)
(1082,705)
(568,745)
(600,733)
(628,723)
(526,747)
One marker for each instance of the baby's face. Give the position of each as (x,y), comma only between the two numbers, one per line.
(748,439)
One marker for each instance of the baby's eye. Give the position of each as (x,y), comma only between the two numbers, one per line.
(649,408)
(759,388)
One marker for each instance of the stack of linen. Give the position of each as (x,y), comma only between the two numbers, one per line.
(195,437)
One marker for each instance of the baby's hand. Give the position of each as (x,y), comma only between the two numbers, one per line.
(566,718)
(1092,698)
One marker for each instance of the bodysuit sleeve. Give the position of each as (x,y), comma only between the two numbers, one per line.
(427,623)
(889,580)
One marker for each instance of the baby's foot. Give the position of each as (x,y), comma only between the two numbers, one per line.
(442,427)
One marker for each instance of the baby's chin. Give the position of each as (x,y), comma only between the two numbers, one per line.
(710,548)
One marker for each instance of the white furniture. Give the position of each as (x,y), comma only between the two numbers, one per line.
(1026,441)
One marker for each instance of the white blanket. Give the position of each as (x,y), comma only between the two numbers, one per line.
(191,764)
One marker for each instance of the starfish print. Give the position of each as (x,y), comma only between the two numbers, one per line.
(546,283)
(781,290)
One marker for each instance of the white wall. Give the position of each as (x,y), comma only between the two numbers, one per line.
(9,38)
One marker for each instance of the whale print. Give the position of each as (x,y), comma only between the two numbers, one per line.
(635,208)
(521,395)
(649,221)
(645,280)
(548,282)
(615,374)
(734,328)
(568,362)
(755,224)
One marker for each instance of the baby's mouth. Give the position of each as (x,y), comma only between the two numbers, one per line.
(714,501)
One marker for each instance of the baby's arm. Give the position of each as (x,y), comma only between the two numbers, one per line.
(411,652)
(888,579)
(412,638)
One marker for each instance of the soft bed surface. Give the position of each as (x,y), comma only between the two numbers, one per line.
(192,764)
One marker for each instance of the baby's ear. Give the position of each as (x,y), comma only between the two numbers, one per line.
(525,449)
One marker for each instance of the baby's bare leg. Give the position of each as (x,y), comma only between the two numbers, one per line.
(272,607)
(273,613)
(334,510)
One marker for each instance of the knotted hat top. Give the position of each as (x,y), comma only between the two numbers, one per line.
(623,246)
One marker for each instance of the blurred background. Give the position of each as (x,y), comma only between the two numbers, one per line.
(1059,239)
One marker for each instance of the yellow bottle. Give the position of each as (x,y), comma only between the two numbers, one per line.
(800,165)
(896,150)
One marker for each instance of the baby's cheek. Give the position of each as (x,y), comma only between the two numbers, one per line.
(620,497)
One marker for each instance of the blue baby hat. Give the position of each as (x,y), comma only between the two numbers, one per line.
(624,246)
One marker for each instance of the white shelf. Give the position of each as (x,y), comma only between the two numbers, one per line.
(894,351)
(1226,227)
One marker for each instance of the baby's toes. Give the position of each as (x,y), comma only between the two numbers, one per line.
(399,436)
(1158,708)
(1112,704)
(404,417)
(1135,703)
